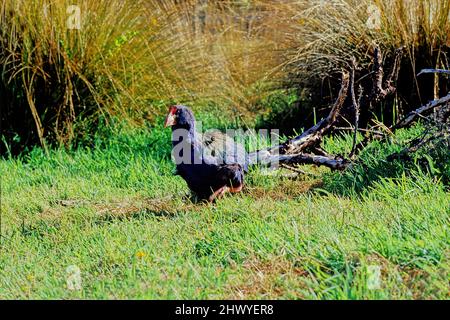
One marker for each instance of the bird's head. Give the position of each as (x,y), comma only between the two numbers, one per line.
(180,117)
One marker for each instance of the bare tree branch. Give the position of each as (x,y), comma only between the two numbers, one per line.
(356,105)
(407,121)
(378,92)
(335,163)
(296,169)
(424,110)
(433,71)
(306,148)
(416,144)
(373,131)
(318,150)
(311,137)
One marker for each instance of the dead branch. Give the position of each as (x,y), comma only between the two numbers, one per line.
(393,76)
(378,92)
(295,169)
(319,151)
(417,144)
(355,104)
(407,121)
(372,131)
(306,148)
(308,139)
(422,111)
(294,150)
(332,162)
(335,163)
(434,71)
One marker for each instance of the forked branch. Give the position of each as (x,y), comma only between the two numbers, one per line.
(306,147)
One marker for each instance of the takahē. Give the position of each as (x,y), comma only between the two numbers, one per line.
(210,163)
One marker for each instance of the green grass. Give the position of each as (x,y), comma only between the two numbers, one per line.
(117,212)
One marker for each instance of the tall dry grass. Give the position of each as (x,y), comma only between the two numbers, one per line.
(130,58)
(326,34)
(127,58)
(64,74)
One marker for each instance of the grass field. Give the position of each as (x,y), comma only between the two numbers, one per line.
(91,208)
(117,212)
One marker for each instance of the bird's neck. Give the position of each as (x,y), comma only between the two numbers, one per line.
(187,147)
(184,133)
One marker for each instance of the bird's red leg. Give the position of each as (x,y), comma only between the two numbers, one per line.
(237,189)
(218,193)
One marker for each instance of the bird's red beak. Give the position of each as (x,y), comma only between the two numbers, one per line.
(171,118)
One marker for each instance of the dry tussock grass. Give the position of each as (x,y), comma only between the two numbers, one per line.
(131,58)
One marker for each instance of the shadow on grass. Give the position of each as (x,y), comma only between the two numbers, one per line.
(281,188)
(164,208)
(48,221)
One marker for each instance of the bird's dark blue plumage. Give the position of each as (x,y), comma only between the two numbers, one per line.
(212,163)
